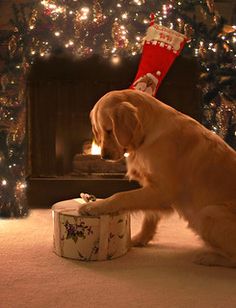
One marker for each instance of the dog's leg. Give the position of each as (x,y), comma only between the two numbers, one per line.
(149,225)
(148,229)
(145,198)
(217,227)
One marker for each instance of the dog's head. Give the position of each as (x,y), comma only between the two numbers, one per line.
(117,128)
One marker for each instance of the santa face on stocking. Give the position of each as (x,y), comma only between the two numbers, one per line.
(146,83)
(161,47)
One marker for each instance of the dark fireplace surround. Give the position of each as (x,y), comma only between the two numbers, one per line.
(61,92)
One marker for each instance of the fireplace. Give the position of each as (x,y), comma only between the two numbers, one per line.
(61,93)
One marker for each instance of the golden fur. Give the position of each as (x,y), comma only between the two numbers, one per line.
(180,165)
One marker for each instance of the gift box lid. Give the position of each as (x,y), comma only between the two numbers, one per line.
(70,207)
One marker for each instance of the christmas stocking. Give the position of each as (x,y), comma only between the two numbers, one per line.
(161,47)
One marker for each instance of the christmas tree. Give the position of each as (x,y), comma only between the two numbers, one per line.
(113,29)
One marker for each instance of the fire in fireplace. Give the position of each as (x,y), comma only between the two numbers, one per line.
(90,163)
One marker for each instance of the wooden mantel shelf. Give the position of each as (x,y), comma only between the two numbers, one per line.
(43,192)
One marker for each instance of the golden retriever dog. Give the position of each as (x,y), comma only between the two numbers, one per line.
(179,164)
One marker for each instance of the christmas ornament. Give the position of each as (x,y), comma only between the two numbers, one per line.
(97,13)
(223,118)
(4,100)
(181,24)
(228,29)
(77,23)
(105,48)
(17,130)
(5,122)
(119,35)
(20,190)
(226,114)
(188,31)
(25,65)
(202,50)
(33,19)
(12,45)
(4,82)
(208,113)
(161,47)
(211,5)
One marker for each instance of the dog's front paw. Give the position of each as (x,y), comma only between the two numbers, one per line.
(139,240)
(88,209)
(95,208)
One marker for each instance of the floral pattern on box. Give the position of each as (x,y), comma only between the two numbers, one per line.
(89,238)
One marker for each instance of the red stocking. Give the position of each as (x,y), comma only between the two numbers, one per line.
(161,47)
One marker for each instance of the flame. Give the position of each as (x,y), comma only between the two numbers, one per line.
(95,149)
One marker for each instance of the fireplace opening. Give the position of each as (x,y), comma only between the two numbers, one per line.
(61,93)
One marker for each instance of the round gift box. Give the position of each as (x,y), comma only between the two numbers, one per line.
(89,238)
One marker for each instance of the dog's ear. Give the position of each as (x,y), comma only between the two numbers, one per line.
(95,133)
(127,127)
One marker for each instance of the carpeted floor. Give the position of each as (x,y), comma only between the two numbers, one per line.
(160,275)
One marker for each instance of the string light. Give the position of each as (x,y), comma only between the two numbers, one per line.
(4,182)
(164,11)
(115,59)
(84,13)
(138,2)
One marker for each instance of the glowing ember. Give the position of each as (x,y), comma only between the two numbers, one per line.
(95,149)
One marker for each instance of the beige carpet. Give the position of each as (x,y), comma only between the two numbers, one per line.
(160,275)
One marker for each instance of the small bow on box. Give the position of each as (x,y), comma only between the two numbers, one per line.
(87,197)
